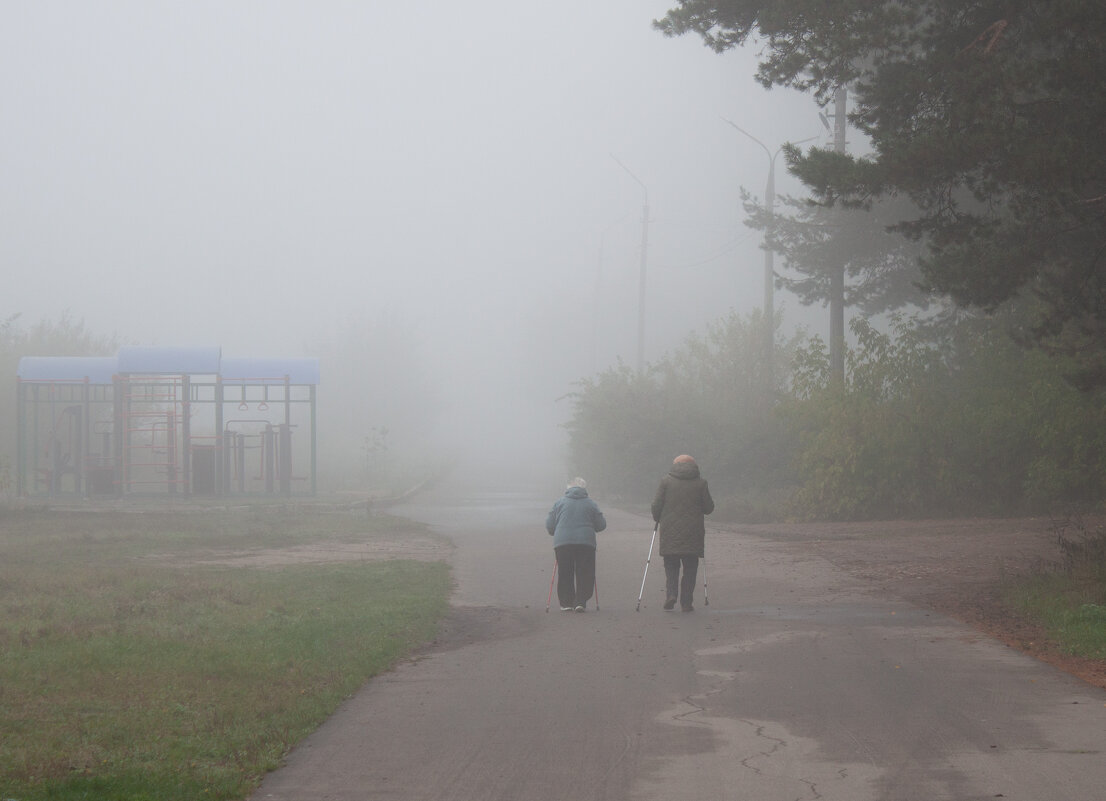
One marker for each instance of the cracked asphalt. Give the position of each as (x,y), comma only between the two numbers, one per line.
(798,681)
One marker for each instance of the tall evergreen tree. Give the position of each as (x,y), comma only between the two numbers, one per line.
(987,115)
(882,266)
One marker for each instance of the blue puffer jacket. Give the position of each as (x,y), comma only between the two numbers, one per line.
(574,519)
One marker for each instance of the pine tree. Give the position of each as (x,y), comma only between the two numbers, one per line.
(987,116)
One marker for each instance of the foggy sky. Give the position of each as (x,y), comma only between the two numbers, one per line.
(246,174)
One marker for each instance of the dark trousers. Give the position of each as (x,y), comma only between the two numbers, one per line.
(677,589)
(575,574)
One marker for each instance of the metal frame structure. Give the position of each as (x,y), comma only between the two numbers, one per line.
(165,421)
(63,407)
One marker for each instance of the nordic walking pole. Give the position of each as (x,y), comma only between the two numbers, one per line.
(551,580)
(648,559)
(706,600)
(596,594)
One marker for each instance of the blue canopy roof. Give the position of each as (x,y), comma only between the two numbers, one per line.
(169,361)
(97,369)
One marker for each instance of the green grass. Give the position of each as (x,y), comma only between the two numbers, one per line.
(1073,614)
(127,677)
(1069,602)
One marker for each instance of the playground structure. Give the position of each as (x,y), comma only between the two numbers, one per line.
(165,421)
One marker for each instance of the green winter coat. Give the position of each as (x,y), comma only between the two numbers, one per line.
(678,507)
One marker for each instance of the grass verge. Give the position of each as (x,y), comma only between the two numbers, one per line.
(129,677)
(1069,602)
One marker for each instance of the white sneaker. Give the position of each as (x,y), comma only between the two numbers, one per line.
(566,608)
(580,608)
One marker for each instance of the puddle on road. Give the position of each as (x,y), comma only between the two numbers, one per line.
(838,614)
(745,646)
(751,759)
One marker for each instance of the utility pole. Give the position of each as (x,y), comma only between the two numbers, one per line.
(769,267)
(837,276)
(644,259)
(595,304)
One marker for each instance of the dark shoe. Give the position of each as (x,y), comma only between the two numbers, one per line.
(670,604)
(687,609)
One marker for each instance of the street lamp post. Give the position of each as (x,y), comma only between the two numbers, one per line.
(769,267)
(644,258)
(595,295)
(837,277)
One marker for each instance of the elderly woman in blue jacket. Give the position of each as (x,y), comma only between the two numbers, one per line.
(573,522)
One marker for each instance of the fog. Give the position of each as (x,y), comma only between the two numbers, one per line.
(276,178)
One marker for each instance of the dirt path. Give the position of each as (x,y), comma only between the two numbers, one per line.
(957,567)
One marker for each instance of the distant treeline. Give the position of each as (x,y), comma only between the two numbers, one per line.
(930,421)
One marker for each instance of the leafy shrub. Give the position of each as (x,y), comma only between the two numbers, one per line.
(967,424)
(709,399)
(957,422)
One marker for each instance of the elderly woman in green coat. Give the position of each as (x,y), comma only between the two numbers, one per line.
(682,500)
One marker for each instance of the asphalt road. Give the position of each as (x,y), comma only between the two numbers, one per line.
(796,682)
